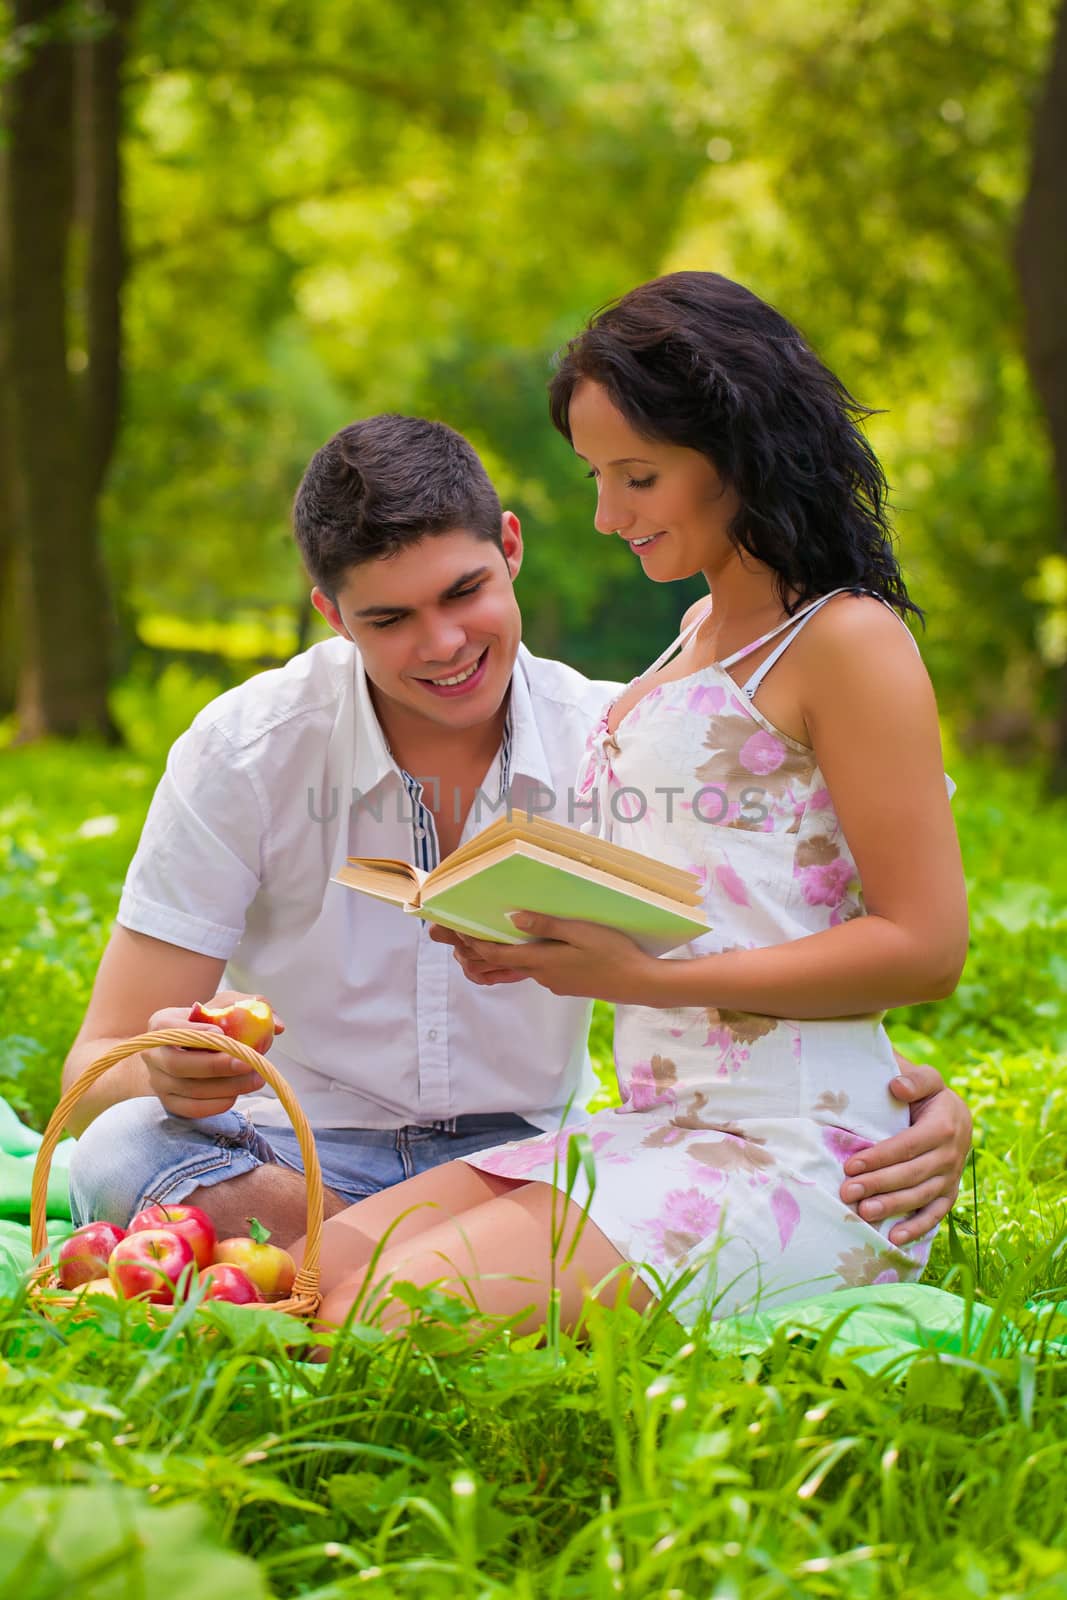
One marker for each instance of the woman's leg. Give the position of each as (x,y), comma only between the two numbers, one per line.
(497,1255)
(399,1213)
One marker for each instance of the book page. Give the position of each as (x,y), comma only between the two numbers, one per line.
(395,881)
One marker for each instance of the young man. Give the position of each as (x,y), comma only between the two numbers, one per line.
(420,722)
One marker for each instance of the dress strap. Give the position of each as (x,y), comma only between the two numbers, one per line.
(790,628)
(682,639)
(797,619)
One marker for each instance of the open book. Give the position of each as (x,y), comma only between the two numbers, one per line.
(530,864)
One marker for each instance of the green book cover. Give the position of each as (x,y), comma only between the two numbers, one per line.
(479,904)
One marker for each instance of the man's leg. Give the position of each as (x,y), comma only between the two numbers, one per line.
(135,1155)
(275,1195)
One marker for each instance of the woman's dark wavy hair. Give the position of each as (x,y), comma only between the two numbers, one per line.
(696,360)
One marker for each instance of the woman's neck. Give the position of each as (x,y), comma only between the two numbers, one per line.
(744,596)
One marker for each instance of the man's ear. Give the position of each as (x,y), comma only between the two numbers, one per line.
(326,608)
(511,539)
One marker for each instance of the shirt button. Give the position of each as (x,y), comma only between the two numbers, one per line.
(420,833)
(432,1034)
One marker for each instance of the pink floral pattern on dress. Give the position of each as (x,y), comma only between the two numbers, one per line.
(762,753)
(843,1145)
(651,1083)
(730,882)
(686,1218)
(525,1157)
(826,885)
(705,699)
(786,1213)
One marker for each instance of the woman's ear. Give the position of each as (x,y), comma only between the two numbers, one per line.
(511,541)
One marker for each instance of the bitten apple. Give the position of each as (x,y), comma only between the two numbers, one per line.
(192,1223)
(223,1281)
(150,1264)
(84,1255)
(250,1021)
(270,1268)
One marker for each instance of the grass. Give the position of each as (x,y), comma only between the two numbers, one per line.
(632,1464)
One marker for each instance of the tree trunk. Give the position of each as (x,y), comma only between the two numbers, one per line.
(100,205)
(59,443)
(9,631)
(1041,255)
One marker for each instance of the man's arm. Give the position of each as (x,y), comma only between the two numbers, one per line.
(138,978)
(915,1174)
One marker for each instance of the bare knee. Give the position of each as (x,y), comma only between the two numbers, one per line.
(276,1196)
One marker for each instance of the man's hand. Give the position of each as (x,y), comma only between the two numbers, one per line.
(484,972)
(915,1174)
(198,1083)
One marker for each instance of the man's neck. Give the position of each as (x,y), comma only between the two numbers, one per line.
(422,747)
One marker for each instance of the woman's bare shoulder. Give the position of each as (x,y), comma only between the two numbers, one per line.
(858,622)
(855,658)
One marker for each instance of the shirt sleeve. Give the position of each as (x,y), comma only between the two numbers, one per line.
(197,867)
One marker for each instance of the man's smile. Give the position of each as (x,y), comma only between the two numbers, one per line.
(462,681)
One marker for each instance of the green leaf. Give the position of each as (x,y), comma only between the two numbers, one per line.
(108,1544)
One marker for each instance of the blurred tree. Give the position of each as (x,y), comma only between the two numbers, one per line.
(421,253)
(61,224)
(1042,262)
(867,176)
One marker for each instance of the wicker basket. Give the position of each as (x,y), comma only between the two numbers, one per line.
(305,1297)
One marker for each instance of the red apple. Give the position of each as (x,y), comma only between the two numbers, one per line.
(225,1282)
(84,1255)
(250,1021)
(270,1268)
(151,1263)
(192,1223)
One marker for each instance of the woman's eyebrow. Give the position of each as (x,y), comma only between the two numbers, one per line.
(623,461)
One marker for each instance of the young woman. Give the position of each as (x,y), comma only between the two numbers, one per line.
(785,747)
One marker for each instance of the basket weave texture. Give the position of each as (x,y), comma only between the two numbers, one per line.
(305,1297)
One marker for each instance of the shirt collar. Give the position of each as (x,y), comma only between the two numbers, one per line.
(525,750)
(528,756)
(373,758)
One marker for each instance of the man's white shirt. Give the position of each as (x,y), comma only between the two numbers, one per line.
(277,782)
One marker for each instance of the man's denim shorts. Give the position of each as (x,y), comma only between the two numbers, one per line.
(135,1155)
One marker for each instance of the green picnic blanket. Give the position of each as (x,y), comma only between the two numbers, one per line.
(18,1153)
(881,1327)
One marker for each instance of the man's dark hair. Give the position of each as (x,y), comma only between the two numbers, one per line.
(696,360)
(385,483)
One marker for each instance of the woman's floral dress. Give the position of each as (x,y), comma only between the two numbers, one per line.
(720,1172)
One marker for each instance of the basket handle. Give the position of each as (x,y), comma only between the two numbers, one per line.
(307,1279)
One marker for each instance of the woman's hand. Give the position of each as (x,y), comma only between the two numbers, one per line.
(568,957)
